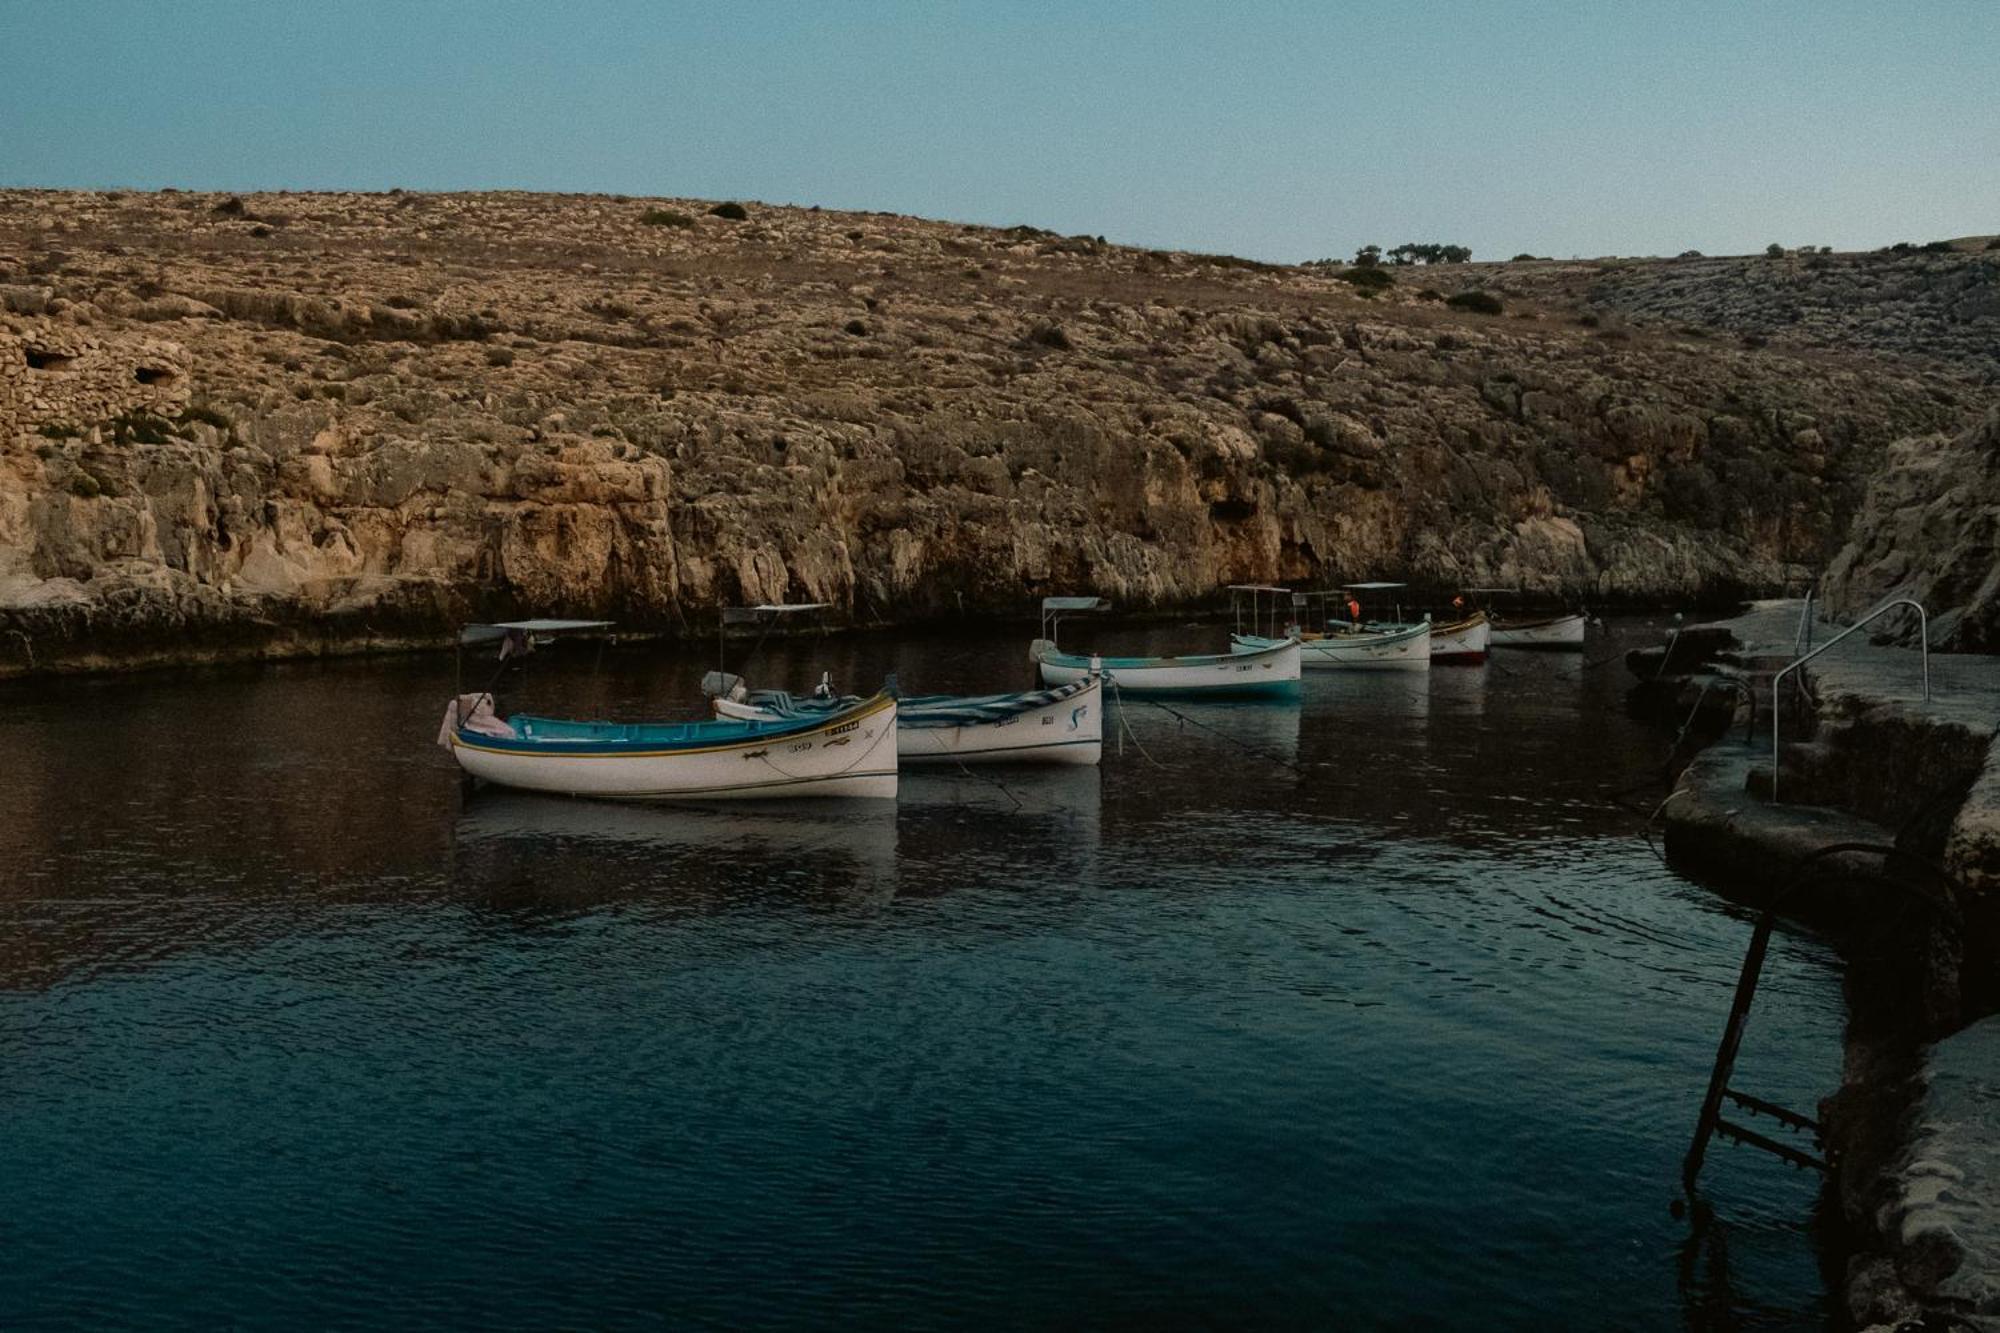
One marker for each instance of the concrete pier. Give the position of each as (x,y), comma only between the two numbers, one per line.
(1865,759)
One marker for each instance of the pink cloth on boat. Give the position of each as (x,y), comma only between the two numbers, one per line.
(478,716)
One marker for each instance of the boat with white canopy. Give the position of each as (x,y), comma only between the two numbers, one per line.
(849,751)
(1347,645)
(1464,638)
(1272,672)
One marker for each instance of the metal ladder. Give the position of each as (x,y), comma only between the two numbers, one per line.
(1809,871)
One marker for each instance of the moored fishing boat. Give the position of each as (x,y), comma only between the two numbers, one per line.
(848,751)
(1064,725)
(1561,632)
(1555,633)
(1272,671)
(1463,640)
(1401,648)
(1352,644)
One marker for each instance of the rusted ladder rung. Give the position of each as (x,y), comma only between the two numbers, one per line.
(1731,1130)
(1758,1106)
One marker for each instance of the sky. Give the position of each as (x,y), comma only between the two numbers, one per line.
(1278,131)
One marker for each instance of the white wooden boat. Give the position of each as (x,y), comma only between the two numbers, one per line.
(1273,672)
(1064,725)
(1398,648)
(846,752)
(1464,640)
(849,751)
(1555,633)
(1269,671)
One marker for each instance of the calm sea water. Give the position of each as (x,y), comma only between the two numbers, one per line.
(1372,1011)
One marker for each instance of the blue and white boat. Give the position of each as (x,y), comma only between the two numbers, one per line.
(1271,672)
(1056,726)
(846,751)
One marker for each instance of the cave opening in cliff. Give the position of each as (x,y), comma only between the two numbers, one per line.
(40,358)
(153,375)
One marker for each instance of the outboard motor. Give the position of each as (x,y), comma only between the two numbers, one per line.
(724,685)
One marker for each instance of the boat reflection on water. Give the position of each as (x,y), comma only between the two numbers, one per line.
(526,850)
(1458,696)
(957,826)
(1390,701)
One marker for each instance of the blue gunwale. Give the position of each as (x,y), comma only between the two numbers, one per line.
(637,740)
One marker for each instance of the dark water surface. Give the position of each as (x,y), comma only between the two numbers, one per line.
(1392,1022)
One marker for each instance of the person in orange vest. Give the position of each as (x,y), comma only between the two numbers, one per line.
(1353,609)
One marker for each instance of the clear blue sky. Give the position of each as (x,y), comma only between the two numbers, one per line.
(1282,131)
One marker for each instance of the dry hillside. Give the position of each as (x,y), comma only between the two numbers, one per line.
(293,423)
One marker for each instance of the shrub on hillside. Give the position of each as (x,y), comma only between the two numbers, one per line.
(665,217)
(1413,252)
(1367,277)
(730,210)
(1478,302)
(1774,250)
(1299,458)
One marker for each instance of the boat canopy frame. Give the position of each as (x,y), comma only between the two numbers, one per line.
(1256,593)
(517,638)
(766,615)
(1055,608)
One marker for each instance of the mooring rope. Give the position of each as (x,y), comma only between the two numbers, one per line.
(1193,722)
(1005,790)
(1125,726)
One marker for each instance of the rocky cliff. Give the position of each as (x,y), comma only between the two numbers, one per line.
(1930,529)
(294,423)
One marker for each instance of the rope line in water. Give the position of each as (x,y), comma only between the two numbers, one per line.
(1005,790)
(1125,726)
(1262,754)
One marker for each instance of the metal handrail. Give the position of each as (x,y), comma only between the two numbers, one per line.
(1672,639)
(1802,637)
(1778,713)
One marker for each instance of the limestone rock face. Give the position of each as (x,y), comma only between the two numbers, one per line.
(1930,529)
(318,422)
(1942,1216)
